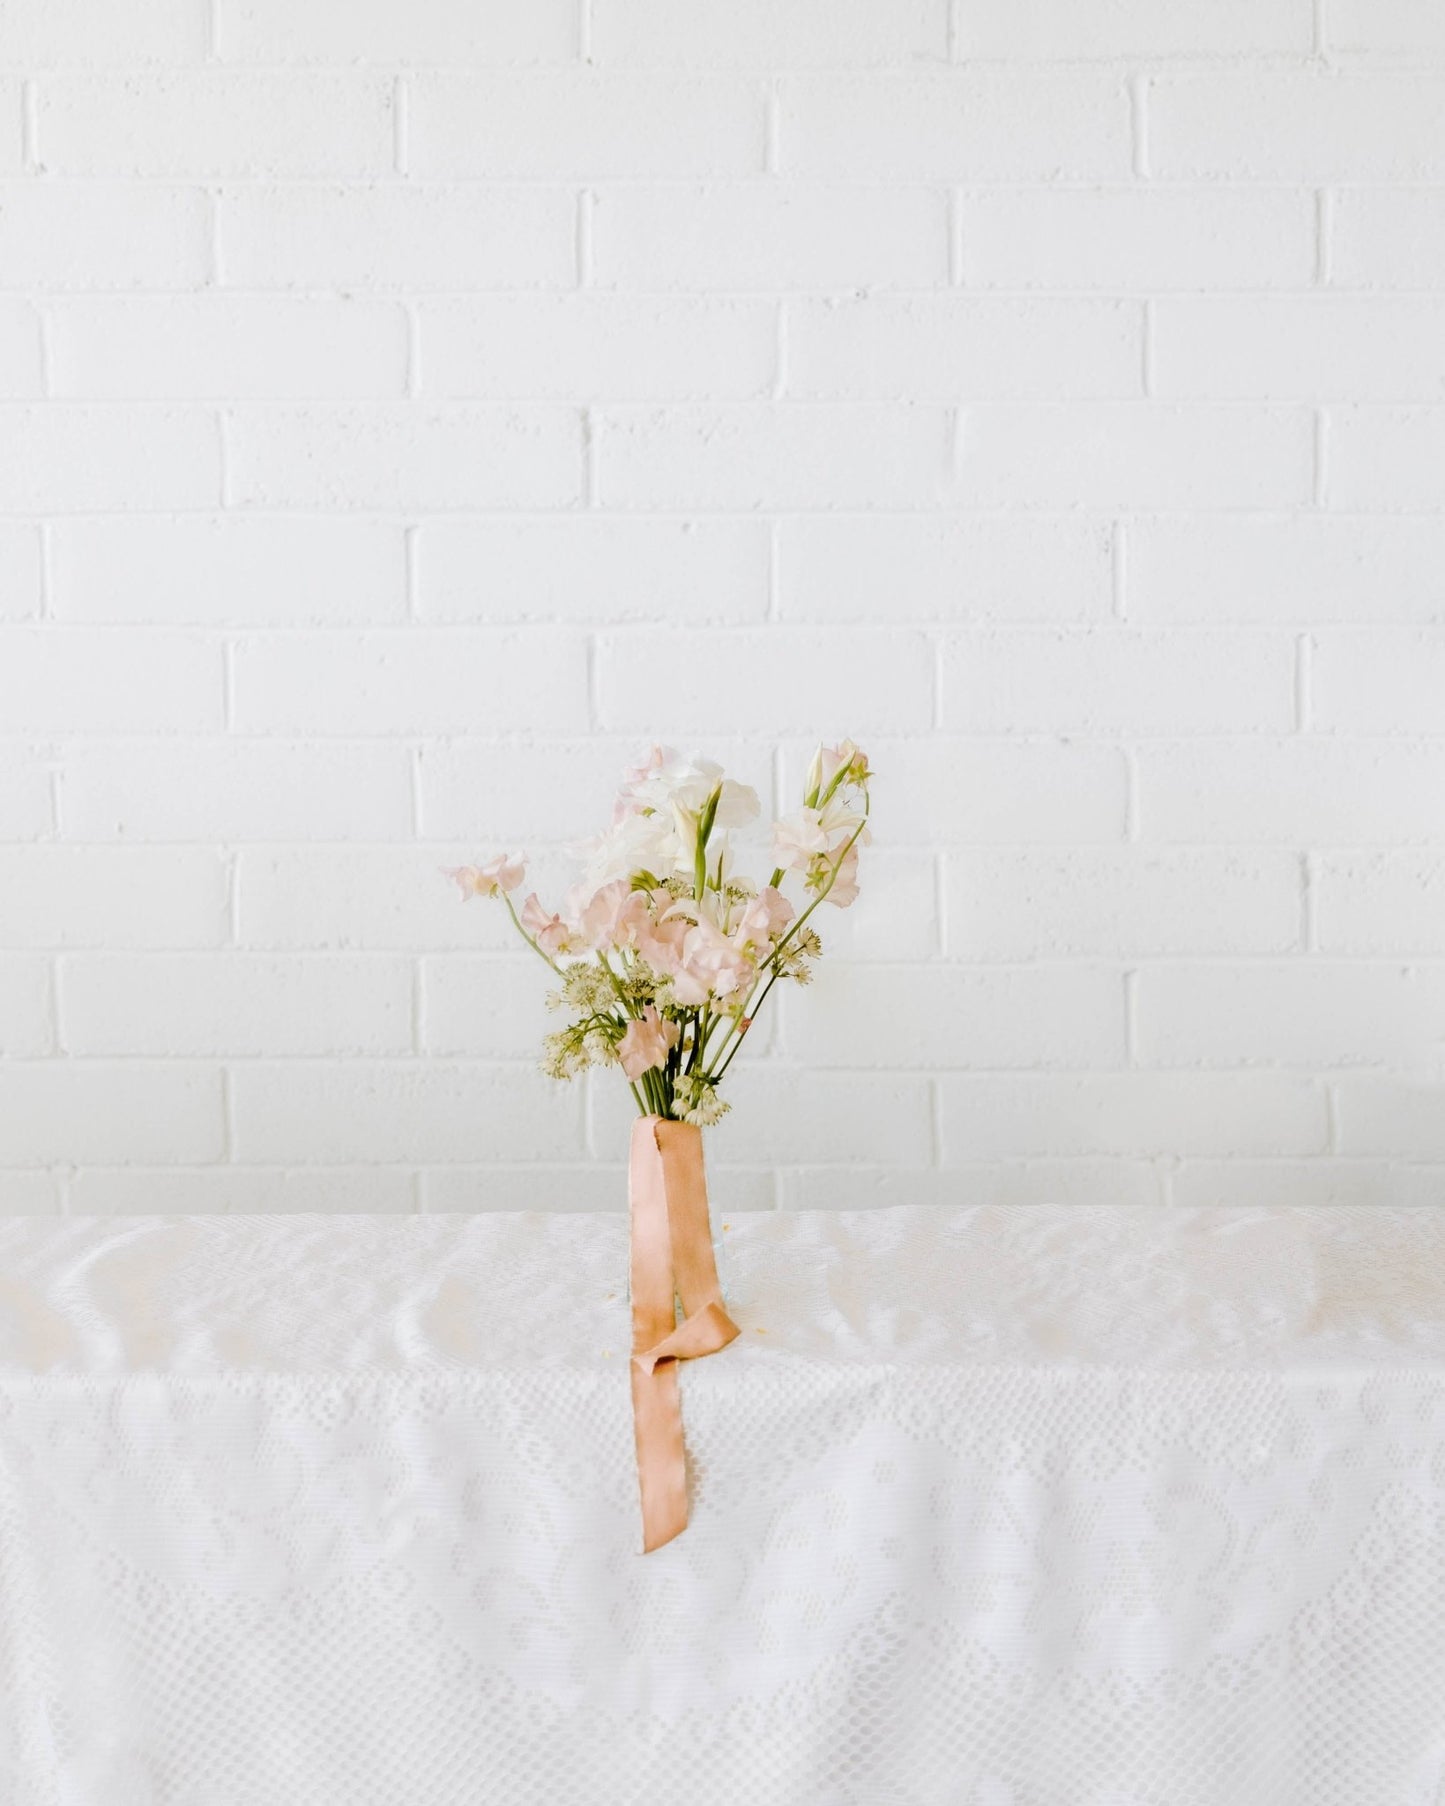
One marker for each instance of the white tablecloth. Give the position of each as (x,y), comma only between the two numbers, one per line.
(992,1507)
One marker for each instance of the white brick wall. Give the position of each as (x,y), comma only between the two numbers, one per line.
(407,410)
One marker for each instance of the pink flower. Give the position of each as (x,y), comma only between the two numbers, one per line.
(711,965)
(656,929)
(764,919)
(599,919)
(549,932)
(845,885)
(647,1042)
(490,880)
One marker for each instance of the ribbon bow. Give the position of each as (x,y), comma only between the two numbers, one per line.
(672,1257)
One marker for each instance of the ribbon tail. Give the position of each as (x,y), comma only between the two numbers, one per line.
(671,1257)
(703,1333)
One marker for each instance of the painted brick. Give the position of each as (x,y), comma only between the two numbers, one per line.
(952,347)
(1294,125)
(583,123)
(837,570)
(1378,682)
(798,457)
(20,572)
(97,680)
(111,1113)
(1119,681)
(1388,238)
(778,235)
(997,1115)
(75,460)
(1386,458)
(1070,30)
(400,1112)
(223,571)
(234,1190)
(1324,348)
(1308,1014)
(219,791)
(27,1026)
(593,567)
(1136,455)
(757,34)
(780,679)
(179,1005)
(1136,239)
(444,680)
(20,358)
(214,122)
(273,31)
(1390,901)
(1301,792)
(103,234)
(221,347)
(1122,901)
(964,126)
(597,348)
(408,238)
(39,33)
(114,897)
(1309,568)
(940,1019)
(405,458)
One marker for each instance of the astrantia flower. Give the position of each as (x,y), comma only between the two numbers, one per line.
(504,873)
(647,1042)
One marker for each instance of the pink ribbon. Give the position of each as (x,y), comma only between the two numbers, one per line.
(672,1258)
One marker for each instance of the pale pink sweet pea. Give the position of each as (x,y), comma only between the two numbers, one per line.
(550,932)
(598,918)
(646,1042)
(763,920)
(504,873)
(845,886)
(712,966)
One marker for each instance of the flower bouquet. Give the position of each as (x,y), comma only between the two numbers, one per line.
(663,953)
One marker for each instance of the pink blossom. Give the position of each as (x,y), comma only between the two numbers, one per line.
(504,873)
(647,1042)
(657,929)
(549,932)
(845,757)
(763,920)
(711,966)
(845,885)
(598,919)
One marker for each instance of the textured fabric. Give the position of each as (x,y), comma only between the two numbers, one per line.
(990,1508)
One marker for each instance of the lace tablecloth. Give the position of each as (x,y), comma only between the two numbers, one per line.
(1090,1507)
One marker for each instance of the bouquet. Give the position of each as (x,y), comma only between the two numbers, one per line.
(663,952)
